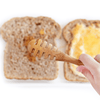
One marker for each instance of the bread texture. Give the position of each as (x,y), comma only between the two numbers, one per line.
(68,36)
(16,63)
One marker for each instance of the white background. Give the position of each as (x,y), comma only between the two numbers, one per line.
(62,11)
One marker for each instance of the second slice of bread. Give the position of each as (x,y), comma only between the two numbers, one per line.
(68,35)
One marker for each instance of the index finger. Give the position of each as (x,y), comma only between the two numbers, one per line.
(89,63)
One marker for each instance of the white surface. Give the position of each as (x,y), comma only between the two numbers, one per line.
(63,11)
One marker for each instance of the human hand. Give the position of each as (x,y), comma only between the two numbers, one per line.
(91,70)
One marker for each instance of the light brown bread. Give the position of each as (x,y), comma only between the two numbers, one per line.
(68,36)
(16,63)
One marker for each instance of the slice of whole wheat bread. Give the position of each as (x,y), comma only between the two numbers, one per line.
(68,36)
(16,63)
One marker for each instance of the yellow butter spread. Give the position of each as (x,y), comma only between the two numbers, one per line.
(85,40)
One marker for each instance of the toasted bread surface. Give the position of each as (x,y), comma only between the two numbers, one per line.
(16,63)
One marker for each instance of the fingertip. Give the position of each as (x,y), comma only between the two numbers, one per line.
(83,56)
(87,74)
(80,68)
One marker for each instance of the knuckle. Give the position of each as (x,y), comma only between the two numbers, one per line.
(97,57)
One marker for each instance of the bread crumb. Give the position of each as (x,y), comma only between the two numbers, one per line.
(42,32)
(19,45)
(10,57)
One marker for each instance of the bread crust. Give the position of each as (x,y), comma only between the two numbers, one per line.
(68,36)
(5,37)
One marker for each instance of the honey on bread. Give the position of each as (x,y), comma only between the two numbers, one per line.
(26,42)
(85,40)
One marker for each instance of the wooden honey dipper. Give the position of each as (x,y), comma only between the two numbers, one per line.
(42,47)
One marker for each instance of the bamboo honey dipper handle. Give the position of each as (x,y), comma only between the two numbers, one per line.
(41,48)
(64,57)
